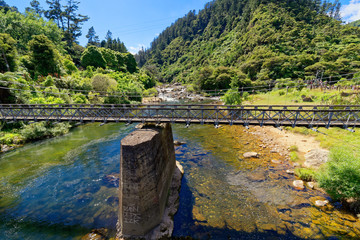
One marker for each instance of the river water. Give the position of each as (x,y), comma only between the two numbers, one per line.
(57,189)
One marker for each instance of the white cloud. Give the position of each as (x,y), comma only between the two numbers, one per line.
(136,49)
(351,11)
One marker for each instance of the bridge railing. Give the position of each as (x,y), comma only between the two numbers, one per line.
(278,115)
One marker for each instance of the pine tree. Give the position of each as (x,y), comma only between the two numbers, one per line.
(73,21)
(55,12)
(35,6)
(108,39)
(93,39)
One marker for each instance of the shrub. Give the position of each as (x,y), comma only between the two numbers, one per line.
(341,175)
(232,97)
(69,66)
(294,148)
(294,157)
(305,174)
(43,56)
(151,92)
(8,46)
(92,57)
(101,83)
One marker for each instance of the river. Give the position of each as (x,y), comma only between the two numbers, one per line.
(57,189)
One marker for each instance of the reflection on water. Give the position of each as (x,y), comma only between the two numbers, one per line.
(58,189)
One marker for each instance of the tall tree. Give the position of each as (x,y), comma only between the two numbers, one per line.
(73,21)
(55,12)
(35,6)
(108,39)
(93,39)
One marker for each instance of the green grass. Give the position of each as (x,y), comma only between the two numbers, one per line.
(340,177)
(294,157)
(294,97)
(305,174)
(293,148)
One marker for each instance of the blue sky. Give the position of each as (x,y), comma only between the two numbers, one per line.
(138,22)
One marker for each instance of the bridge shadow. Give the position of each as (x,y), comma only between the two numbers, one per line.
(185,227)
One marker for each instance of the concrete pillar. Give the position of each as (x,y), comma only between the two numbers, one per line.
(146,168)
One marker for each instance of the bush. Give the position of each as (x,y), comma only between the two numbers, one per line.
(341,175)
(294,157)
(44,57)
(101,83)
(151,92)
(294,148)
(305,174)
(92,57)
(232,97)
(40,130)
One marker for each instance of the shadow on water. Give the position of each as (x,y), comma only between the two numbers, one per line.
(185,225)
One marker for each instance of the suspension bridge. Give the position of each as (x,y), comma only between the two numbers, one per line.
(345,116)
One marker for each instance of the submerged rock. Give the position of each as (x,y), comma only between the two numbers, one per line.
(178,143)
(276,161)
(96,234)
(251,155)
(316,157)
(111,180)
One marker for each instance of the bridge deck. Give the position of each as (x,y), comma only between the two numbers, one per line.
(279,115)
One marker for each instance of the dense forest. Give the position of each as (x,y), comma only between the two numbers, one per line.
(255,42)
(41,62)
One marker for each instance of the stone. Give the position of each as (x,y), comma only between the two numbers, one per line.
(310,185)
(96,234)
(321,203)
(146,168)
(276,161)
(291,172)
(273,151)
(298,184)
(315,158)
(251,155)
(111,180)
(296,164)
(178,143)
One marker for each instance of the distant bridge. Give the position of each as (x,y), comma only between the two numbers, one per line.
(344,116)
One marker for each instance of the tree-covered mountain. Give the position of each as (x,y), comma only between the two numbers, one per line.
(355,23)
(232,43)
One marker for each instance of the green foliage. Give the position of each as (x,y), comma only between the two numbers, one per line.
(43,56)
(40,130)
(293,148)
(101,83)
(266,40)
(294,157)
(92,57)
(232,97)
(11,138)
(341,175)
(305,174)
(8,53)
(151,92)
(69,66)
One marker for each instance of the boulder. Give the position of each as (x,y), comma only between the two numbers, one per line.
(321,203)
(299,184)
(251,155)
(310,185)
(315,158)
(291,172)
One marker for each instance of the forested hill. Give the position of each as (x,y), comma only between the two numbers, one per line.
(236,43)
(355,23)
